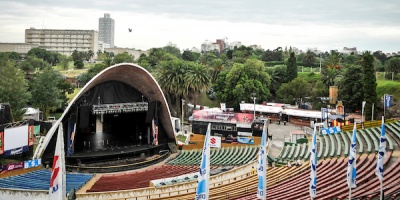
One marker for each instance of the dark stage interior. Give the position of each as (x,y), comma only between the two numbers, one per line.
(102,137)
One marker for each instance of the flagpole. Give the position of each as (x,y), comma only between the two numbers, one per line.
(381,197)
(350,193)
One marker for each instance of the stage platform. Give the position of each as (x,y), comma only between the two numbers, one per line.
(115,153)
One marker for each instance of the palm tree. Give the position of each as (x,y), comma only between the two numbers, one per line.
(196,80)
(309,59)
(217,66)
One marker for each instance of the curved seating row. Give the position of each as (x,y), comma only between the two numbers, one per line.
(230,156)
(40,180)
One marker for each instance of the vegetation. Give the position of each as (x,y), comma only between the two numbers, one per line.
(230,76)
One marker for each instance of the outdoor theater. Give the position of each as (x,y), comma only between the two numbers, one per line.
(119,117)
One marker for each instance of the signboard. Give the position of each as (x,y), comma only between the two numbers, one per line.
(331,130)
(203,115)
(32,163)
(245,140)
(31,130)
(339,108)
(388,100)
(1,143)
(323,113)
(14,166)
(215,141)
(223,106)
(15,151)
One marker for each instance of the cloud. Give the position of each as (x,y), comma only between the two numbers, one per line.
(368,24)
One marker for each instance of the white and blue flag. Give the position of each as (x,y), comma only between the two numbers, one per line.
(202,192)
(351,166)
(313,164)
(262,165)
(381,153)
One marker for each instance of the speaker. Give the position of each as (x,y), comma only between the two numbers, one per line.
(150,111)
(84,117)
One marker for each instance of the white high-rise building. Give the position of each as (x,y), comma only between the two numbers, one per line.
(106,30)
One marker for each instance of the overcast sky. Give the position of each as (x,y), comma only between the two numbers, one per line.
(365,24)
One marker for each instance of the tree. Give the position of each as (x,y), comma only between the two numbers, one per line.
(172,50)
(13,88)
(196,80)
(278,75)
(123,58)
(190,55)
(380,56)
(293,91)
(309,59)
(50,57)
(31,64)
(64,61)
(45,91)
(369,83)
(217,66)
(242,80)
(350,88)
(78,64)
(291,68)
(319,90)
(393,65)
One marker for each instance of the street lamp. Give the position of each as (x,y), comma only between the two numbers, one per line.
(183,103)
(253,96)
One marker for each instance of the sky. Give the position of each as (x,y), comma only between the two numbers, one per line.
(366,24)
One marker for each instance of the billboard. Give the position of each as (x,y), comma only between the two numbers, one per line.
(15,140)
(32,163)
(245,140)
(227,117)
(215,141)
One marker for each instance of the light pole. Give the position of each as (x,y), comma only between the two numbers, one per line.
(183,103)
(253,95)
(320,63)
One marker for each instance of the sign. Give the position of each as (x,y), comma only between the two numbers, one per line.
(1,143)
(245,140)
(215,141)
(223,106)
(388,100)
(15,151)
(331,130)
(340,108)
(14,166)
(228,117)
(32,163)
(324,113)
(31,130)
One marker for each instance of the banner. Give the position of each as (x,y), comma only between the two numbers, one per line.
(1,143)
(202,191)
(245,140)
(324,113)
(262,165)
(340,108)
(57,189)
(388,100)
(204,115)
(31,138)
(14,166)
(223,106)
(16,151)
(215,141)
(37,130)
(32,163)
(331,130)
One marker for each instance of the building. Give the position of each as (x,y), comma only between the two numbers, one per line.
(21,48)
(63,41)
(208,46)
(135,53)
(234,44)
(348,50)
(106,29)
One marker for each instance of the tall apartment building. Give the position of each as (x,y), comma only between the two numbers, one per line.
(63,41)
(106,30)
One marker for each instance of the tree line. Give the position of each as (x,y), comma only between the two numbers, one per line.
(230,76)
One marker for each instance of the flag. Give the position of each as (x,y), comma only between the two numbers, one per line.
(381,153)
(362,109)
(57,188)
(262,165)
(313,164)
(351,165)
(202,191)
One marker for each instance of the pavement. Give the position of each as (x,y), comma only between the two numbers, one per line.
(279,133)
